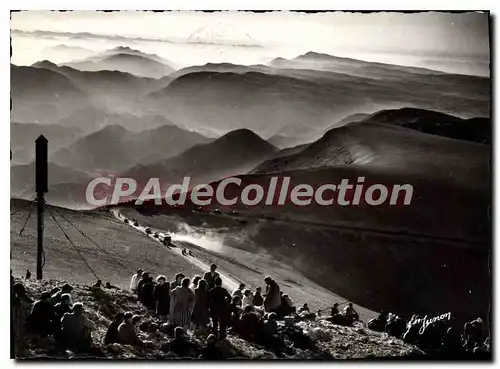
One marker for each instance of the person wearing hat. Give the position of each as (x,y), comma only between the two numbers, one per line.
(134,281)
(211,276)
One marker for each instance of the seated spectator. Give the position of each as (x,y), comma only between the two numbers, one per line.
(60,309)
(112,332)
(304,307)
(378,324)
(41,317)
(350,313)
(211,351)
(234,311)
(247,298)
(287,307)
(180,345)
(76,328)
(451,343)
(239,291)
(249,325)
(127,332)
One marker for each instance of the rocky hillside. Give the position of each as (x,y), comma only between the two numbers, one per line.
(321,340)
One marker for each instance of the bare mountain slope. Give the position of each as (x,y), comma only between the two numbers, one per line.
(392,148)
(234,153)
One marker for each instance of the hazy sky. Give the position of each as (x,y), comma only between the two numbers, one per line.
(451,42)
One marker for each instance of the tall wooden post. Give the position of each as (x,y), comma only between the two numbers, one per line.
(41,188)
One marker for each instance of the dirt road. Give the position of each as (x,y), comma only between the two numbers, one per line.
(227,281)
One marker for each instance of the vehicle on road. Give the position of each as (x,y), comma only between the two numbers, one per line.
(167,240)
(148,231)
(126,221)
(136,224)
(156,235)
(216,211)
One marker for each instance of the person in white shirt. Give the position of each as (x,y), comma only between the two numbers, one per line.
(135,280)
(239,291)
(247,298)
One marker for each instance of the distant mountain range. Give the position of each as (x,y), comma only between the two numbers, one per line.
(234,153)
(114,148)
(300,98)
(285,99)
(23,136)
(126,60)
(42,95)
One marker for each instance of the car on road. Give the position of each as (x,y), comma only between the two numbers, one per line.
(136,224)
(216,211)
(125,221)
(148,231)
(156,235)
(234,212)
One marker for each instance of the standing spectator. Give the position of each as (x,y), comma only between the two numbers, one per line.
(258,300)
(201,314)
(219,300)
(144,278)
(272,302)
(134,281)
(177,282)
(196,280)
(146,293)
(211,276)
(161,295)
(181,304)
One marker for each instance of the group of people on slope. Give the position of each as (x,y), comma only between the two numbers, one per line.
(197,303)
(54,314)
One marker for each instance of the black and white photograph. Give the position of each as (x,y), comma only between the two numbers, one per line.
(251,185)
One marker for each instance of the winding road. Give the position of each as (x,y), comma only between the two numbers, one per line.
(227,282)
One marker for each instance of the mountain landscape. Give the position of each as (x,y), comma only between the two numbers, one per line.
(234,153)
(127,60)
(114,148)
(208,105)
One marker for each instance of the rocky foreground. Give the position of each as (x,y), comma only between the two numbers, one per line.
(321,340)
